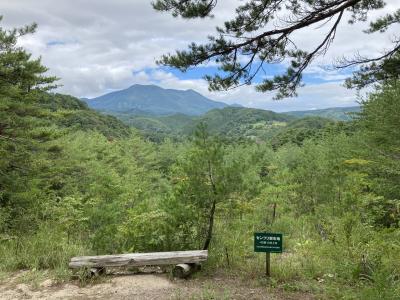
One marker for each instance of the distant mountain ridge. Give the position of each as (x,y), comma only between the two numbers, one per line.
(154,100)
(335,113)
(167,113)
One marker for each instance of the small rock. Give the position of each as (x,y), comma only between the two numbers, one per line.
(23,288)
(47,283)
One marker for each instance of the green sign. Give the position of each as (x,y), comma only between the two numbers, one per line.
(268,242)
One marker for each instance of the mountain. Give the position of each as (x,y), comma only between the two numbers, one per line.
(236,105)
(154,100)
(335,113)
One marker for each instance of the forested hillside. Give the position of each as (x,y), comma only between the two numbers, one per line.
(234,124)
(76,182)
(158,128)
(240,122)
(335,113)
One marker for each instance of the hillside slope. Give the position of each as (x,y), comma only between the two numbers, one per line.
(241,122)
(230,122)
(335,113)
(72,114)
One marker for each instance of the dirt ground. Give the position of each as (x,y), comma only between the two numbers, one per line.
(141,286)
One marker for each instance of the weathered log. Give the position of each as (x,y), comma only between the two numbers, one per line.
(139,259)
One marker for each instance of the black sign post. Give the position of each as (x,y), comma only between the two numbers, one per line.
(268,243)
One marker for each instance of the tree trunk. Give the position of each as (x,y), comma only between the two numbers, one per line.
(210,226)
(274,213)
(212,212)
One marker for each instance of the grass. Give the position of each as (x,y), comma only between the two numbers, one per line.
(47,249)
(33,277)
(366,268)
(360,263)
(43,255)
(3,275)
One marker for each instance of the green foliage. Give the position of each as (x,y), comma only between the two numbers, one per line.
(380,140)
(18,72)
(297,131)
(375,72)
(22,128)
(158,128)
(382,69)
(47,248)
(380,120)
(188,9)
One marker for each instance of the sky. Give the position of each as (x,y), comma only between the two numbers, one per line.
(99,46)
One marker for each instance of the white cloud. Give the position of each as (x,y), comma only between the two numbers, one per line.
(96,46)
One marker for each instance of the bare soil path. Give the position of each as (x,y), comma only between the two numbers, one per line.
(143,287)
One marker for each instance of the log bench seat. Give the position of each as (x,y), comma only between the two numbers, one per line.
(186,262)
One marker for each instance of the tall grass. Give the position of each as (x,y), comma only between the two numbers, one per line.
(48,248)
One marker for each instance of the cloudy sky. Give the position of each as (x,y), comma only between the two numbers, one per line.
(98,46)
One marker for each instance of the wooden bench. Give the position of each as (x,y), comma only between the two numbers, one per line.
(186,262)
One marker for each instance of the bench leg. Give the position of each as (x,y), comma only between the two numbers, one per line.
(97,271)
(185,270)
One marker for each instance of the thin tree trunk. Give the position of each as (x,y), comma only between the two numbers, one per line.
(274,213)
(212,212)
(227,256)
(210,226)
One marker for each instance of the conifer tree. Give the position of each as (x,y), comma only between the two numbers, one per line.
(261,34)
(22,81)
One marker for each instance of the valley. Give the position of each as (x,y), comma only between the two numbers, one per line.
(231,122)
